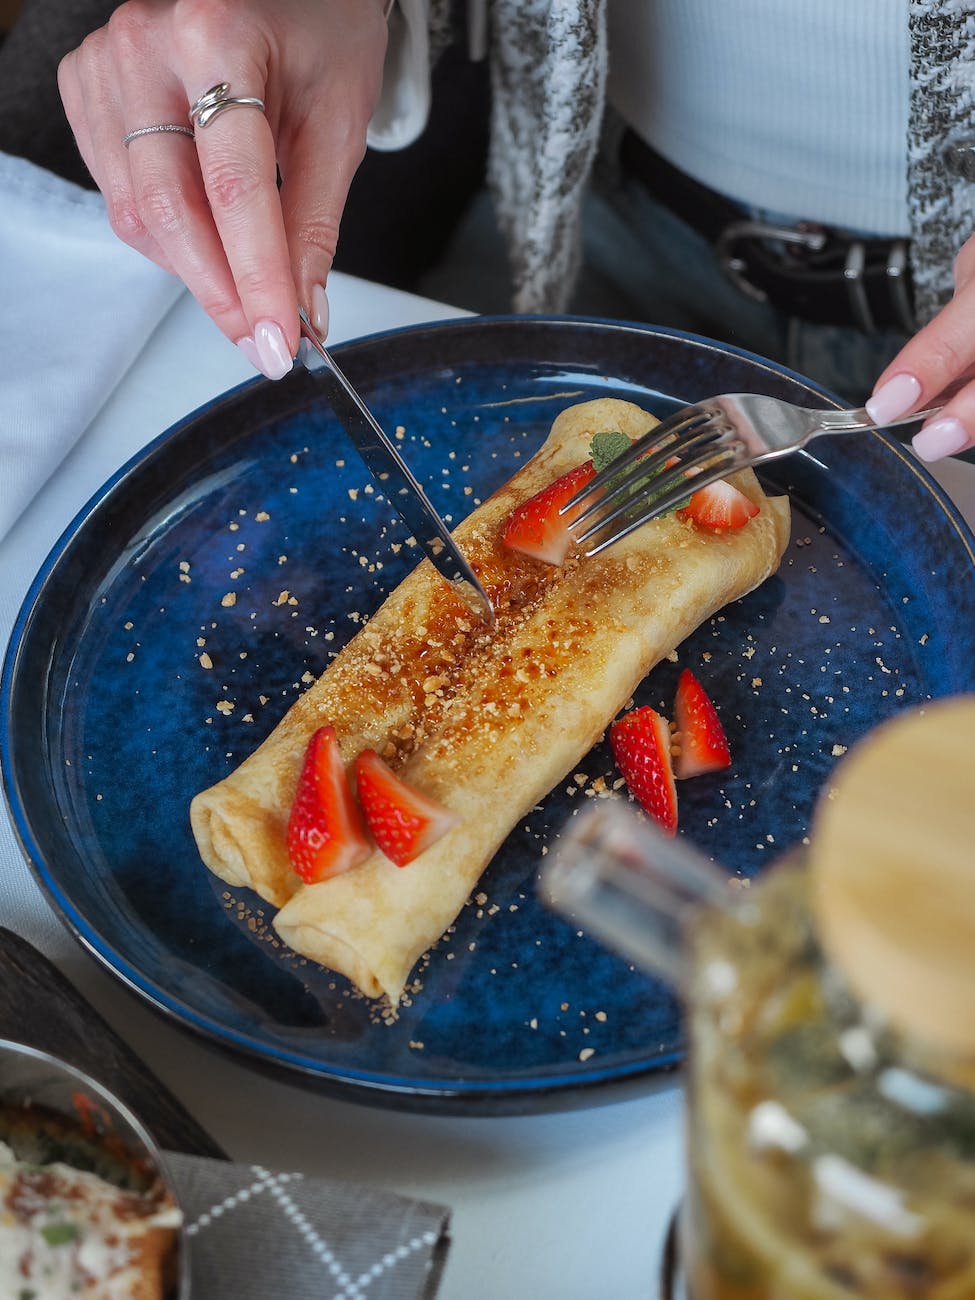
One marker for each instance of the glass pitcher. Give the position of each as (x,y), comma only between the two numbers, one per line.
(828,1157)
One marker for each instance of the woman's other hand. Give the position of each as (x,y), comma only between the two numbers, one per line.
(209,208)
(941,356)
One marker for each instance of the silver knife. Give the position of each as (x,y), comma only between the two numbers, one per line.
(399,484)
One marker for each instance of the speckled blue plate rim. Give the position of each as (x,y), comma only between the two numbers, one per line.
(503,1095)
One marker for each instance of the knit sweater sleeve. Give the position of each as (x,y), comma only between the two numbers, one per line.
(548,77)
(941,145)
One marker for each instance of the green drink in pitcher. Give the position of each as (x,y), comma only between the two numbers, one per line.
(830,1014)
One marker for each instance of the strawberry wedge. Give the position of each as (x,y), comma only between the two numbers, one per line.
(719,505)
(536,528)
(403,821)
(325,835)
(701,744)
(640,741)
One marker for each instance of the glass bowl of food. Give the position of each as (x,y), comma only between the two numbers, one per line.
(87,1206)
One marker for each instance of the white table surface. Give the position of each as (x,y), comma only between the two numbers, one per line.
(570,1205)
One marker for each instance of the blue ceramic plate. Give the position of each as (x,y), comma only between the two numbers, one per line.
(250,534)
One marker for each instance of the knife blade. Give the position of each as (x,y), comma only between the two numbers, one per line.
(399,484)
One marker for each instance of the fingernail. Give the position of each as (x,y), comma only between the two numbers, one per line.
(319,309)
(941,438)
(249,349)
(274,358)
(894,399)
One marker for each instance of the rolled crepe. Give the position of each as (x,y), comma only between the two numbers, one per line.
(487,722)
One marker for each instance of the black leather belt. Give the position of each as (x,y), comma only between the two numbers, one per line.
(809,271)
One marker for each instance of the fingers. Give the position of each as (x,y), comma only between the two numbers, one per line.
(951,431)
(939,358)
(156,189)
(94,113)
(209,208)
(312,199)
(239,172)
(964,267)
(321,145)
(153,189)
(169,185)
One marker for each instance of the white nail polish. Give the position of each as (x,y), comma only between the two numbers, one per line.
(941,438)
(894,398)
(276,360)
(249,349)
(319,310)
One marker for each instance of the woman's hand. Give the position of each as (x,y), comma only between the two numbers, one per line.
(939,357)
(209,208)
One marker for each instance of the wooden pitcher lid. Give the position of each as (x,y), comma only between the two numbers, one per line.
(892,860)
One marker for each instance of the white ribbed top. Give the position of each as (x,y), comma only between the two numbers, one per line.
(794,106)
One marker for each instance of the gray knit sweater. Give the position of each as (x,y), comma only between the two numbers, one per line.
(548,69)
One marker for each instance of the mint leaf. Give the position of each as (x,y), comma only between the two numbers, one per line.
(609,444)
(606,446)
(59,1234)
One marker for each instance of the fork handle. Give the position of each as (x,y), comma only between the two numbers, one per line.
(910,419)
(858,419)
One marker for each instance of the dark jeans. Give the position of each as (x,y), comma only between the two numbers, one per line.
(668,273)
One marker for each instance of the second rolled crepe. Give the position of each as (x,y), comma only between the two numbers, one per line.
(486,722)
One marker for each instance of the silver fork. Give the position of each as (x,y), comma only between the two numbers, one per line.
(696,446)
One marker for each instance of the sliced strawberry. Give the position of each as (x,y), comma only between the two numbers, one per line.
(640,742)
(326,834)
(719,505)
(702,745)
(403,821)
(536,528)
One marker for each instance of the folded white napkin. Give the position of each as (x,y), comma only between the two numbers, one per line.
(76,308)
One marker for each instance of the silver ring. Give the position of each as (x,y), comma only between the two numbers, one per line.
(152,130)
(216,100)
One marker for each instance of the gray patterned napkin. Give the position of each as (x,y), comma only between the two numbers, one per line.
(255,1233)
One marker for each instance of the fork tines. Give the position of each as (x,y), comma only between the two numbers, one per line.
(692,448)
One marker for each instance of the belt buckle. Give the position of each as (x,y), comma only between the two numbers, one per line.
(895,272)
(853,268)
(814,239)
(735,267)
